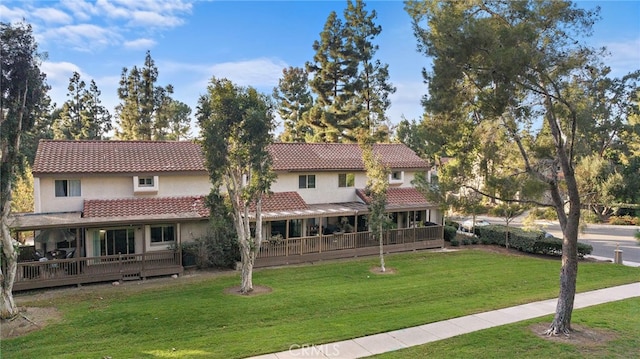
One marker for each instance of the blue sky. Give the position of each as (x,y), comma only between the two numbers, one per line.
(249,42)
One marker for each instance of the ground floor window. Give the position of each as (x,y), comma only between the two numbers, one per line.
(295,228)
(162,234)
(117,241)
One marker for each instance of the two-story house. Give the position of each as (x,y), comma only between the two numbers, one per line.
(130,204)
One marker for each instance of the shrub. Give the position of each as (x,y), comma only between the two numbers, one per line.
(453,224)
(466,241)
(588,216)
(449,233)
(553,246)
(474,240)
(210,251)
(455,243)
(550,213)
(624,220)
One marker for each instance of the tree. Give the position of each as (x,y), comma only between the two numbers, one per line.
(82,116)
(174,122)
(333,116)
(376,190)
(140,112)
(235,127)
(372,86)
(23,99)
(293,98)
(512,63)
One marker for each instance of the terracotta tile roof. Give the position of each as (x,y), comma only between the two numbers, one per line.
(55,156)
(399,197)
(127,207)
(338,156)
(279,201)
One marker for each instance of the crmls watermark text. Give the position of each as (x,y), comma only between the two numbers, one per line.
(311,350)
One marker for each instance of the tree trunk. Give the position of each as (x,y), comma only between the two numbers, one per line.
(247,270)
(382,268)
(568,273)
(9,267)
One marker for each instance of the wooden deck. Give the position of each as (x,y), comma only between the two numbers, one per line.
(76,271)
(322,247)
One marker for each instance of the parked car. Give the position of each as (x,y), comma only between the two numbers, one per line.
(468,225)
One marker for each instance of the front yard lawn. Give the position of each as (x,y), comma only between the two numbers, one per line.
(310,304)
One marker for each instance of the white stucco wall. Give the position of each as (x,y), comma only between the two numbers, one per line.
(113,187)
(327,190)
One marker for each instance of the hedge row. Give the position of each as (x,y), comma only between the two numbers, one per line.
(526,241)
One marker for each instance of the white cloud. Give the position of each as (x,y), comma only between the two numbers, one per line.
(83,37)
(12,14)
(80,9)
(52,16)
(625,56)
(59,71)
(153,19)
(406,101)
(261,72)
(140,44)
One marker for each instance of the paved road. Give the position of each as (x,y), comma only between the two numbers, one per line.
(603,237)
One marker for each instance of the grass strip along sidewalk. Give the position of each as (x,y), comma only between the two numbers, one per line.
(311,304)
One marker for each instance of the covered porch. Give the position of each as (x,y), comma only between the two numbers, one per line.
(138,239)
(296,232)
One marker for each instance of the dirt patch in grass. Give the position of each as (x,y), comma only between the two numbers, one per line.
(257,290)
(378,270)
(29,320)
(584,338)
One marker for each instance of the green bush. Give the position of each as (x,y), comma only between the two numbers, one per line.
(212,251)
(449,233)
(553,246)
(526,241)
(455,243)
(588,216)
(624,220)
(453,224)
(550,213)
(466,241)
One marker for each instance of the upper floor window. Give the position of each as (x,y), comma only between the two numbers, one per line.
(307,181)
(346,180)
(162,234)
(396,177)
(145,184)
(145,181)
(67,188)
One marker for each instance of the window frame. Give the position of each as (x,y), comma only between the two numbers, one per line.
(346,180)
(68,189)
(145,187)
(307,182)
(163,240)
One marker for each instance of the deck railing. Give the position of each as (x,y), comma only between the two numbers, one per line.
(51,273)
(344,241)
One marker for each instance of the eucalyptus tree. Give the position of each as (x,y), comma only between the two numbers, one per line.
(292,99)
(510,64)
(235,125)
(376,189)
(82,115)
(23,98)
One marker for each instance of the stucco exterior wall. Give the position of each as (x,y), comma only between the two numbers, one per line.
(112,187)
(327,190)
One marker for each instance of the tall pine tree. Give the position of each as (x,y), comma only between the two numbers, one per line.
(82,115)
(140,112)
(372,86)
(293,99)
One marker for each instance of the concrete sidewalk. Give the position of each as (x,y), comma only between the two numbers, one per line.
(404,338)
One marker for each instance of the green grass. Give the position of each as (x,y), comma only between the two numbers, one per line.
(311,304)
(616,325)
